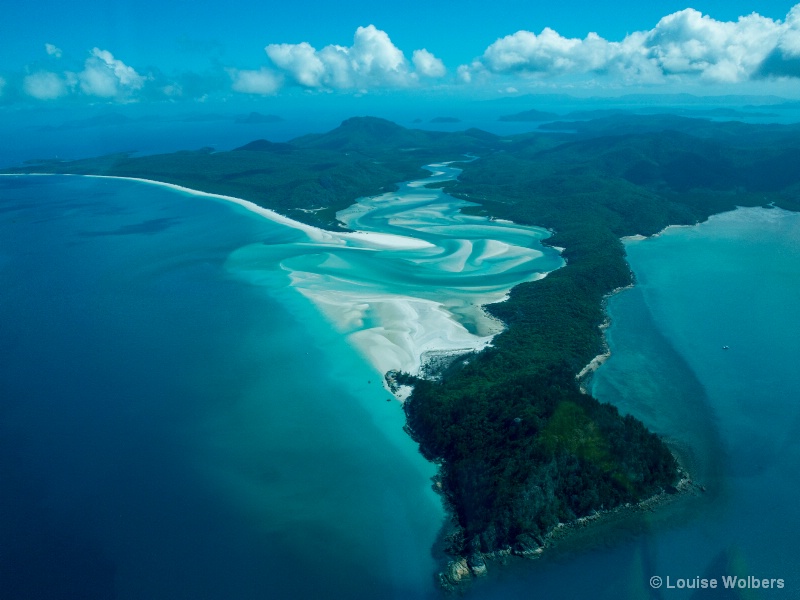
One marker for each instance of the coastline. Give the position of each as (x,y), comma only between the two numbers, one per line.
(585,374)
(412,333)
(463,569)
(251,206)
(426,341)
(423,343)
(579,541)
(690,493)
(376,240)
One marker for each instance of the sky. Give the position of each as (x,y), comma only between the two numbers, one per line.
(54,52)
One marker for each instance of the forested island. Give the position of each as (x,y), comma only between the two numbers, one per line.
(520,446)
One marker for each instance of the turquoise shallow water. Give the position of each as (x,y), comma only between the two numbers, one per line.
(733,281)
(412,278)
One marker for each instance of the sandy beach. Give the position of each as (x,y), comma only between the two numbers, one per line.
(390,325)
(407,327)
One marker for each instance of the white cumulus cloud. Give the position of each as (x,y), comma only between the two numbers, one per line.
(789,44)
(372,61)
(263,82)
(684,44)
(107,77)
(45,85)
(374,56)
(427,64)
(53,50)
(690,42)
(547,52)
(300,60)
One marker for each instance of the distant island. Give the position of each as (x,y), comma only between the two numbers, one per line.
(522,448)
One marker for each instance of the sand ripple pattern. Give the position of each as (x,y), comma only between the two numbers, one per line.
(411,276)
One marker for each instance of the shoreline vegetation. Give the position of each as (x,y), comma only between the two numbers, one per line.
(522,449)
(585,374)
(462,570)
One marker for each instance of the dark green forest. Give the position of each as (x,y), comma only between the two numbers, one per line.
(520,446)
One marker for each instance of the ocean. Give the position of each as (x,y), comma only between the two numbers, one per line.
(169,430)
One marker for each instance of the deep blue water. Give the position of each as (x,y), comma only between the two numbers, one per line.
(168,430)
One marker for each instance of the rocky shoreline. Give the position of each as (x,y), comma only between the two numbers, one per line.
(585,374)
(460,571)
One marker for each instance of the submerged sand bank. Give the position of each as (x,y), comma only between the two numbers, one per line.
(413,291)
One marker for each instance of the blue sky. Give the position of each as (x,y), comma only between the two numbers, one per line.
(179,50)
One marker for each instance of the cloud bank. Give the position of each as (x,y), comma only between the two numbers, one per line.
(102,76)
(372,61)
(683,48)
(682,45)
(45,85)
(106,77)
